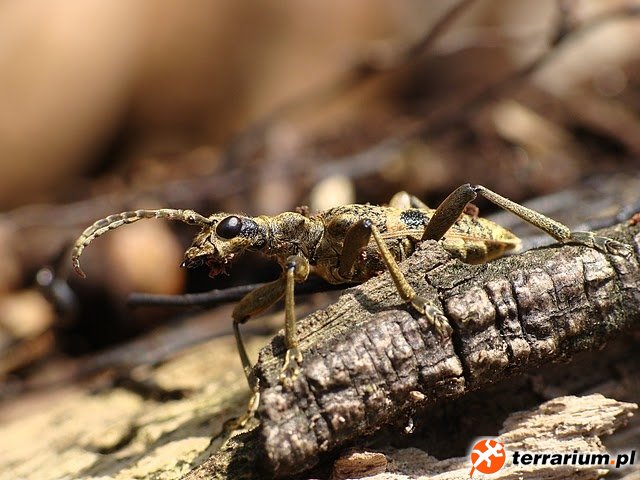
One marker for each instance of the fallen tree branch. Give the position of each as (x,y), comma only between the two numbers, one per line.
(370,362)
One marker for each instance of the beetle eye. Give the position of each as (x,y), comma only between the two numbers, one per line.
(229,227)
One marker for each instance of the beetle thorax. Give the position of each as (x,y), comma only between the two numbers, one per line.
(291,233)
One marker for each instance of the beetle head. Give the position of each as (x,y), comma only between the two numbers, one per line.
(223,240)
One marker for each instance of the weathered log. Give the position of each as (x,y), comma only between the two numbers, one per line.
(370,361)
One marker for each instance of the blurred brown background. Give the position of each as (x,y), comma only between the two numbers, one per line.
(89,86)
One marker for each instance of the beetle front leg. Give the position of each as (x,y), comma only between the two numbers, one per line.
(252,304)
(296,270)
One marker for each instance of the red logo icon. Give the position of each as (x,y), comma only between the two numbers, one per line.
(487,456)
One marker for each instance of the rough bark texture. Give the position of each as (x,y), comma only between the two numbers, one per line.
(369,361)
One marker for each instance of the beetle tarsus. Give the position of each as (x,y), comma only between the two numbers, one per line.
(291,368)
(433,315)
(602,244)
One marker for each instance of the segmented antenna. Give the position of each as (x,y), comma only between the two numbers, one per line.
(112,222)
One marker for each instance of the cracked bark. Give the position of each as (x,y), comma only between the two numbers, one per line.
(369,361)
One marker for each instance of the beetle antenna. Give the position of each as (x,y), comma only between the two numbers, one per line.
(112,222)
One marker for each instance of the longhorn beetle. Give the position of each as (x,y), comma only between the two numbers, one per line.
(347,244)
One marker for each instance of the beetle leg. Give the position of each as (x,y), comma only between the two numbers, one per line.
(356,238)
(448,212)
(603,244)
(296,270)
(451,208)
(431,312)
(251,304)
(556,229)
(403,201)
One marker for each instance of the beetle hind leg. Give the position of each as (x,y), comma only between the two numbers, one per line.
(557,230)
(451,208)
(602,244)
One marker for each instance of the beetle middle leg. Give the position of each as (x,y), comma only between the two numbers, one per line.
(451,208)
(356,239)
